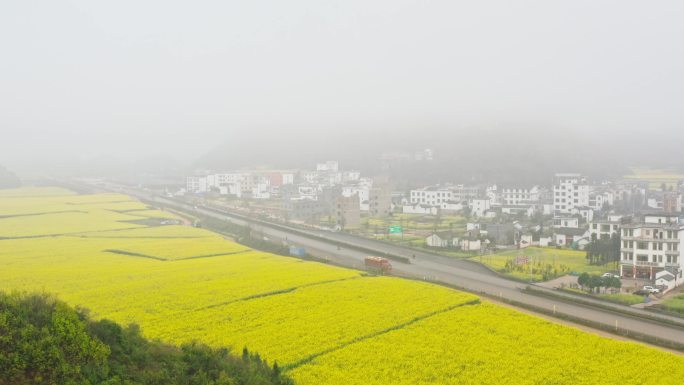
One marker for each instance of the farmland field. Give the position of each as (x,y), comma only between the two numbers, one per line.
(487,344)
(325,325)
(656,177)
(558,261)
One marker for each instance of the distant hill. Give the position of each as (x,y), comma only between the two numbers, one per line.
(512,155)
(8,179)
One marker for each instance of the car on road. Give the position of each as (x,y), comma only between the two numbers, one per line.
(651,289)
(610,275)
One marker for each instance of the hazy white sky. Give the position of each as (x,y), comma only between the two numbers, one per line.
(87,78)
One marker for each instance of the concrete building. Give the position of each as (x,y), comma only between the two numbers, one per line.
(196,184)
(421,209)
(570,192)
(348,212)
(604,229)
(519,209)
(479,207)
(433,195)
(461,193)
(307,210)
(331,166)
(518,195)
(380,198)
(651,244)
(569,222)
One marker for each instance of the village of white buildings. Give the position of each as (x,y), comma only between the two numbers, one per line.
(568,212)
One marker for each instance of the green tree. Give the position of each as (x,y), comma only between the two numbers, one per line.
(583,280)
(44,341)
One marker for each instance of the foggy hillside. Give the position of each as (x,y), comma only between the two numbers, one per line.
(510,154)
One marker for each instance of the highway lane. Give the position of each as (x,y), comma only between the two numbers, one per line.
(467,275)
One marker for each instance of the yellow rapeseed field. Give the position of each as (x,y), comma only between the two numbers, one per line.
(488,344)
(325,325)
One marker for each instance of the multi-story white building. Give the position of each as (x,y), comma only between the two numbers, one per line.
(462,193)
(570,191)
(440,194)
(196,184)
(651,245)
(351,176)
(519,195)
(331,165)
(433,195)
(224,182)
(605,228)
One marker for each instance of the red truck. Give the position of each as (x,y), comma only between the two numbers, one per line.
(378,264)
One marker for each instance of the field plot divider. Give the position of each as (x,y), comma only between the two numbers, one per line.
(312,357)
(276,292)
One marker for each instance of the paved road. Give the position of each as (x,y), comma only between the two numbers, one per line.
(464,274)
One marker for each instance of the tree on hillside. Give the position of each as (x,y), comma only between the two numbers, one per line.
(44,341)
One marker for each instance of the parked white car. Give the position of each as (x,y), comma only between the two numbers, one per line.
(651,289)
(610,275)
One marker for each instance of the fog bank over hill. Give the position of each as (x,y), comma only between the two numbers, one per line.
(494,86)
(509,153)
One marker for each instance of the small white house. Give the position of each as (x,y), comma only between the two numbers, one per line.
(545,241)
(419,209)
(478,207)
(470,226)
(566,222)
(526,241)
(587,213)
(665,279)
(452,206)
(471,245)
(441,240)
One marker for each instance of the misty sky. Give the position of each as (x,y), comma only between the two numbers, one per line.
(81,79)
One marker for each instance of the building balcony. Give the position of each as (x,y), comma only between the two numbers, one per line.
(649,239)
(642,263)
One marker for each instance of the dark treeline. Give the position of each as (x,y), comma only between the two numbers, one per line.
(602,251)
(44,341)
